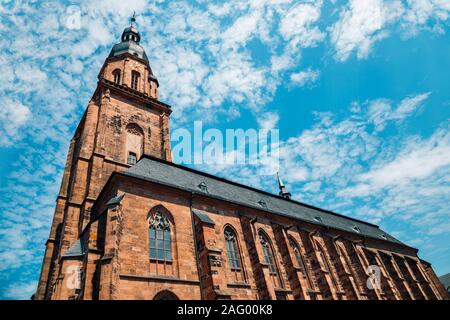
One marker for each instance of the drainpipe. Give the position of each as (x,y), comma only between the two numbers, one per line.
(197,258)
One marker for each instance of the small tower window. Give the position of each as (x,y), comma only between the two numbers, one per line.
(116,75)
(132,158)
(134,80)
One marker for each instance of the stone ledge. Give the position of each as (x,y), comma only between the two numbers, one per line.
(160,279)
(239,285)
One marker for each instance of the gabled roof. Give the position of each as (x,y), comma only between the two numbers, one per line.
(180,177)
(76,250)
(114,201)
(203,216)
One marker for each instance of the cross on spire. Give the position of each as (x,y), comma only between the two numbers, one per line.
(133,18)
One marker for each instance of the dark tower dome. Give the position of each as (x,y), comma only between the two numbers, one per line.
(129,44)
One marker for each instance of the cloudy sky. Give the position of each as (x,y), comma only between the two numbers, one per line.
(359,90)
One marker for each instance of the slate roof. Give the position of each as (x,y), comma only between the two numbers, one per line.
(130,47)
(180,177)
(445,280)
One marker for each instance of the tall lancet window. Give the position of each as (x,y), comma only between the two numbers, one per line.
(298,257)
(116,76)
(159,235)
(301,262)
(269,259)
(135,80)
(325,263)
(234,257)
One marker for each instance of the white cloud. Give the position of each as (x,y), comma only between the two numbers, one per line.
(236,79)
(297,25)
(241,30)
(306,77)
(361,24)
(409,105)
(420,160)
(13,115)
(421,11)
(268,120)
(380,111)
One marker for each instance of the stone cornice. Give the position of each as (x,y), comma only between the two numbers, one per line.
(134,94)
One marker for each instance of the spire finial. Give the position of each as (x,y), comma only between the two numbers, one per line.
(280,183)
(133,18)
(283,192)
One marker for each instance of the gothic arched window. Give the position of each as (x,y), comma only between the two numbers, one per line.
(298,256)
(325,264)
(135,80)
(233,253)
(323,261)
(343,257)
(232,249)
(301,262)
(116,75)
(269,259)
(159,235)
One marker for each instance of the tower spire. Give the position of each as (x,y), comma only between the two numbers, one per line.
(283,191)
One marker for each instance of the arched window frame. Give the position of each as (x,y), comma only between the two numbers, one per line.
(235,261)
(325,263)
(117,75)
(270,258)
(268,254)
(233,252)
(135,78)
(300,261)
(160,237)
(343,257)
(322,258)
(165,295)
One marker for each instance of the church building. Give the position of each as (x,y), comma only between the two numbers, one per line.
(131,224)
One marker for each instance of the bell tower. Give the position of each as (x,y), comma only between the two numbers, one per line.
(123,120)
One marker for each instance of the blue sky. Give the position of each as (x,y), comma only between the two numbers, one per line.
(360,91)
